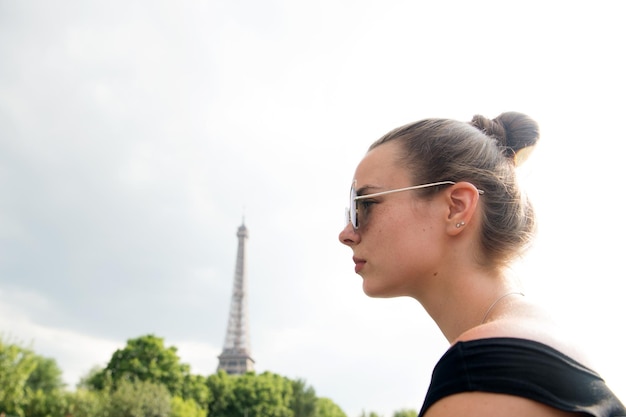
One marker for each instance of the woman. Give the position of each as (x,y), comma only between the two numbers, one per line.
(436,214)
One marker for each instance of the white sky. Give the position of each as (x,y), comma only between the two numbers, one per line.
(134,133)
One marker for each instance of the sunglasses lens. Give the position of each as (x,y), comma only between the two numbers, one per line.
(353,211)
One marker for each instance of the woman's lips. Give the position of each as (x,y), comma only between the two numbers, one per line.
(358,264)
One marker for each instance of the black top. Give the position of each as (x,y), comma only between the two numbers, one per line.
(523,368)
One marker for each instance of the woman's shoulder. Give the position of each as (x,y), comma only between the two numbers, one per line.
(486,353)
(532,324)
(530,328)
(487,404)
(481,377)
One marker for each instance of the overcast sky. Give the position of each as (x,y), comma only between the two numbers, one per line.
(136,135)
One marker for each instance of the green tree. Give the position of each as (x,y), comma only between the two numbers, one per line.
(30,384)
(264,395)
(143,359)
(40,403)
(221,386)
(44,389)
(46,376)
(16,365)
(86,403)
(195,388)
(87,381)
(139,399)
(325,407)
(186,408)
(406,412)
(249,395)
(303,400)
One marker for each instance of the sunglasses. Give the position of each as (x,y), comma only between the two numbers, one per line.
(352,211)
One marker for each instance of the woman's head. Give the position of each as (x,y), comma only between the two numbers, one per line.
(485,153)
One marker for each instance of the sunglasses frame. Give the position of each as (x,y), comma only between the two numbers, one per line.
(352,210)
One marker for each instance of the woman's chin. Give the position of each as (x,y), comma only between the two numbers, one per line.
(376,291)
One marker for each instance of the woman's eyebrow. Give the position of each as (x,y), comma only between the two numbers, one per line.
(367,189)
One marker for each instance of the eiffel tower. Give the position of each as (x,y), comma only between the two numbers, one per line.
(235,358)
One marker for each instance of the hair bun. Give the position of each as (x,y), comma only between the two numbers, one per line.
(516,133)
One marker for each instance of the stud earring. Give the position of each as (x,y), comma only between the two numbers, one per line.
(459,225)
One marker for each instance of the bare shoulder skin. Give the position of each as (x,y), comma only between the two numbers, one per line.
(482,404)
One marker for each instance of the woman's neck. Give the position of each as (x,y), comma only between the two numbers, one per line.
(465,301)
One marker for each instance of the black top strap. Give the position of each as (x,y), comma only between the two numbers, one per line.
(524,368)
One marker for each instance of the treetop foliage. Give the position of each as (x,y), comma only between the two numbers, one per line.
(147,379)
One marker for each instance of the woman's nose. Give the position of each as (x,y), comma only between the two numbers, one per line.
(349,236)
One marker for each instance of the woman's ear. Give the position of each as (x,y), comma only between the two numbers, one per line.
(462,203)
